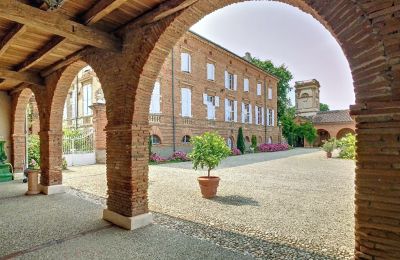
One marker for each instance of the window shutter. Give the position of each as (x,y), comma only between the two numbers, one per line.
(273,118)
(226,110)
(183,61)
(235,111)
(246,85)
(216,101)
(212,71)
(250,114)
(256,113)
(189,60)
(235,82)
(258,89)
(263,118)
(243,113)
(226,79)
(189,102)
(268,117)
(183,102)
(270,93)
(205,99)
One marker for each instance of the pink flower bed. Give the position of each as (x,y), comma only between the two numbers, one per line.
(179,155)
(236,152)
(157,158)
(272,147)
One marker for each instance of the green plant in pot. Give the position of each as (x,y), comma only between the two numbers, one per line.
(208,151)
(329,146)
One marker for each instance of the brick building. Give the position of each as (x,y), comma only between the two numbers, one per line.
(201,87)
(329,124)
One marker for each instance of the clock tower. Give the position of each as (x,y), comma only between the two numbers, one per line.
(307,98)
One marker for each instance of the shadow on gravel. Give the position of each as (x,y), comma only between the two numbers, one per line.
(235,201)
(257,247)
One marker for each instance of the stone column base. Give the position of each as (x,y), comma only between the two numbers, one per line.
(129,223)
(53,189)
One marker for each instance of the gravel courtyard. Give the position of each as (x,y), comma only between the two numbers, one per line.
(296,198)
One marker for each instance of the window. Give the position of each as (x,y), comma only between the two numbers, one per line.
(247,139)
(186,65)
(87,100)
(186,102)
(155,139)
(246,113)
(186,139)
(270,117)
(259,115)
(230,110)
(210,71)
(270,140)
(246,85)
(230,81)
(230,142)
(259,86)
(155,104)
(211,102)
(269,93)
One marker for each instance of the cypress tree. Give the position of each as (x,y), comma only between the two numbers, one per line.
(240,141)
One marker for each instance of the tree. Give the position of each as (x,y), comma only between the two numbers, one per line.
(254,141)
(240,141)
(323,107)
(208,151)
(308,132)
(284,76)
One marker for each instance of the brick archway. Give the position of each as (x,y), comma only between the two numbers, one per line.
(343,132)
(20,102)
(362,31)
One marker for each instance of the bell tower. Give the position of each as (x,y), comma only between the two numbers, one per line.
(307,97)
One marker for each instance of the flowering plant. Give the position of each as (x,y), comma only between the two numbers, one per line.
(273,147)
(236,151)
(157,158)
(179,155)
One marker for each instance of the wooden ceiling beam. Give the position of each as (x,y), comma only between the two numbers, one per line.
(11,36)
(56,24)
(101,9)
(27,77)
(163,10)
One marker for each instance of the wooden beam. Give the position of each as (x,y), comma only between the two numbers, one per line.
(11,36)
(163,10)
(101,9)
(63,63)
(27,77)
(38,56)
(18,88)
(56,24)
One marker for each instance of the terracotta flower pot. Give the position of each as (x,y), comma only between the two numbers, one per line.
(208,186)
(328,154)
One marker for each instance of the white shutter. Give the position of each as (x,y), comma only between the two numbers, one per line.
(246,85)
(268,123)
(183,62)
(189,102)
(226,79)
(273,118)
(243,113)
(212,71)
(235,111)
(226,110)
(250,114)
(183,102)
(216,101)
(235,82)
(256,113)
(270,93)
(258,89)
(262,114)
(205,99)
(189,60)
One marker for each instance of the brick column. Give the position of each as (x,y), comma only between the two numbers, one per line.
(51,161)
(99,124)
(127,176)
(19,148)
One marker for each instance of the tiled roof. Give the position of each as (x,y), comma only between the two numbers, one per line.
(334,116)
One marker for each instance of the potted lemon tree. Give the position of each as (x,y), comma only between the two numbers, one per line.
(208,151)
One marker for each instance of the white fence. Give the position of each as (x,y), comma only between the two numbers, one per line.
(79,149)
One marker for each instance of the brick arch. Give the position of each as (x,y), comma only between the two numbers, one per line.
(20,101)
(155,130)
(342,132)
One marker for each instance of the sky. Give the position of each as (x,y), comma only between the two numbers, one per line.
(285,35)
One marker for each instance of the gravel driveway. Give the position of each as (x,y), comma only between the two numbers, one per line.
(296,198)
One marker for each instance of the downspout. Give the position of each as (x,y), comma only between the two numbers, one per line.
(173,101)
(265,110)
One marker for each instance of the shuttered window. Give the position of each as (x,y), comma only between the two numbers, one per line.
(210,71)
(155,104)
(186,65)
(186,102)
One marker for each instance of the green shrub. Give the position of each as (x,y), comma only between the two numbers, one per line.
(240,141)
(347,147)
(34,149)
(329,145)
(254,141)
(208,151)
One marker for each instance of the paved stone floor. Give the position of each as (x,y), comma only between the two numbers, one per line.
(296,199)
